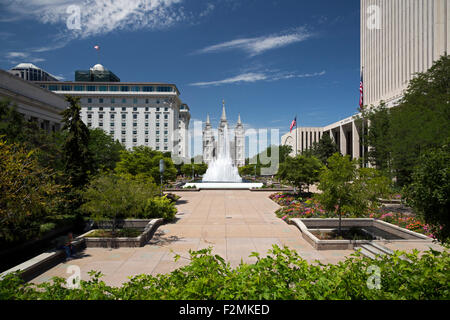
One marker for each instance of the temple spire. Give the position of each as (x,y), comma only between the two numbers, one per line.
(239,119)
(208,121)
(224,115)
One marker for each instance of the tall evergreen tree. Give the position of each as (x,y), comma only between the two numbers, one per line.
(77,157)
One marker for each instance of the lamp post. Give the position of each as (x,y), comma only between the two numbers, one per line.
(161,172)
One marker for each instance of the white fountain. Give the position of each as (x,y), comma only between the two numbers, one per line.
(222,173)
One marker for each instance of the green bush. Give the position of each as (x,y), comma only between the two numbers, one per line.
(159,208)
(282,275)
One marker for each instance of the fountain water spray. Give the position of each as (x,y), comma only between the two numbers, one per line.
(222,169)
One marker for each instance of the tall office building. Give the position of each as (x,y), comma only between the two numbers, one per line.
(398,39)
(135,113)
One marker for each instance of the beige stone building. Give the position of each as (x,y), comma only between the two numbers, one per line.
(399,38)
(36,104)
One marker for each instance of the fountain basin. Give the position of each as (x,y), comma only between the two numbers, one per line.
(223,185)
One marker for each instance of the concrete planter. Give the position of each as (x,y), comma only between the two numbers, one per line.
(306,225)
(149,227)
(272,190)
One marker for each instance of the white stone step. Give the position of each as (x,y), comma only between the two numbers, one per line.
(366,253)
(375,251)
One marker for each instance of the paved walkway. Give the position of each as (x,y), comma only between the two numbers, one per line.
(234,223)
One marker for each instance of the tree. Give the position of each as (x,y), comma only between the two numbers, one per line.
(325,148)
(347,189)
(28,193)
(77,156)
(143,160)
(429,192)
(336,185)
(300,171)
(104,149)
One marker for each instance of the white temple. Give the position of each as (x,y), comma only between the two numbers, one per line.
(234,145)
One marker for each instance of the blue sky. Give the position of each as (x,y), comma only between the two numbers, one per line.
(269,60)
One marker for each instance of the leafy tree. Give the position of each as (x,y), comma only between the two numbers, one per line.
(197,169)
(77,156)
(27,193)
(429,192)
(249,170)
(145,161)
(336,185)
(324,149)
(347,189)
(105,151)
(300,171)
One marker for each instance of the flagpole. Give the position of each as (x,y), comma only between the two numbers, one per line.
(296,136)
(363,122)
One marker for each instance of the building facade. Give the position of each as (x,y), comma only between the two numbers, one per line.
(212,148)
(398,39)
(34,103)
(29,72)
(135,113)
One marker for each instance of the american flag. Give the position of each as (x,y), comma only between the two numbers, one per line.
(294,124)
(97,48)
(361,92)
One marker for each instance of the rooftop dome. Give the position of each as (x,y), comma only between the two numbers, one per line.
(25,66)
(98,67)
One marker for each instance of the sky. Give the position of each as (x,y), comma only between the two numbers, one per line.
(270,60)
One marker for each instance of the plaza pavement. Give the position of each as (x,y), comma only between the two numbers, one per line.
(234,223)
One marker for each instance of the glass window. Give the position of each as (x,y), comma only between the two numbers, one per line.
(146,101)
(101,124)
(134,124)
(123,140)
(135,89)
(134,116)
(146,109)
(166,109)
(166,125)
(113,88)
(134,140)
(134,109)
(157,140)
(166,140)
(100,100)
(112,116)
(66,87)
(135,132)
(100,109)
(158,102)
(52,87)
(146,124)
(157,116)
(124,100)
(111,132)
(165,148)
(146,116)
(100,116)
(102,88)
(89,108)
(124,124)
(89,116)
(113,100)
(164,89)
(157,109)
(157,132)
(166,132)
(90,88)
(124,109)
(166,116)
(157,124)
(112,109)
(147,89)
(135,101)
(89,124)
(157,148)
(146,132)
(79,88)
(124,116)
(146,140)
(89,100)
(112,124)
(124,88)
(124,132)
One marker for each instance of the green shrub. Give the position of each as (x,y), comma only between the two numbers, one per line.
(282,275)
(159,208)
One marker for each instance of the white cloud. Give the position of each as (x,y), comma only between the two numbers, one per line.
(12,55)
(247,77)
(102,16)
(259,45)
(257,76)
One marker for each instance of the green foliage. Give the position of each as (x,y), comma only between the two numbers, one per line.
(399,136)
(429,192)
(281,275)
(159,207)
(300,171)
(249,170)
(196,169)
(77,156)
(27,193)
(104,150)
(324,149)
(145,161)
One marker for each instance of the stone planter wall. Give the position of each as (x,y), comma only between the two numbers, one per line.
(149,229)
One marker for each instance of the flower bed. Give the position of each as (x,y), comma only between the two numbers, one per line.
(296,207)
